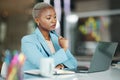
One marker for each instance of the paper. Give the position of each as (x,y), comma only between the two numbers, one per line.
(34,72)
(56,71)
(116,66)
(59,71)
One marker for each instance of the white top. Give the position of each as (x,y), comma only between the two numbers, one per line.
(50,45)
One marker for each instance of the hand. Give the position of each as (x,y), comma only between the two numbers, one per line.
(60,66)
(63,43)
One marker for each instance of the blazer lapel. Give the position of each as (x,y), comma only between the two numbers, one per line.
(42,41)
(54,39)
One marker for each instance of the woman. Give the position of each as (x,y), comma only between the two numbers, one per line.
(44,42)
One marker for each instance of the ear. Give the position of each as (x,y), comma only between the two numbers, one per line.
(37,21)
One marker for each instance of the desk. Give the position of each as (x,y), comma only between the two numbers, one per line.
(111,74)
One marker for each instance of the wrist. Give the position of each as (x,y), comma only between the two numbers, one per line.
(62,66)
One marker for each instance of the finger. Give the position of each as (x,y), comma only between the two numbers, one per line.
(60,37)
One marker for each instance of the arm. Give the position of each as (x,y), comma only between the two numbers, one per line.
(31,51)
(34,51)
(71,62)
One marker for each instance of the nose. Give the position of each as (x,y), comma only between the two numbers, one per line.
(54,20)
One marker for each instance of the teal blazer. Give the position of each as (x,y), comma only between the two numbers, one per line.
(35,47)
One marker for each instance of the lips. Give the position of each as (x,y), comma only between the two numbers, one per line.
(53,26)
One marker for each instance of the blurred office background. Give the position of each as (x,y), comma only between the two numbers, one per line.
(83,22)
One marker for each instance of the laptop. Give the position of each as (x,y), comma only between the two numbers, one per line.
(101,59)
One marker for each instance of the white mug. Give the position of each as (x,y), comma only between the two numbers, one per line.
(47,67)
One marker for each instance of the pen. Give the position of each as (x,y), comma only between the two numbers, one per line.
(12,70)
(8,57)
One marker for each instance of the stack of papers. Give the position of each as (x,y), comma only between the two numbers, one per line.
(116,66)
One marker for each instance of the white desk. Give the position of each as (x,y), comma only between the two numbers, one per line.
(111,74)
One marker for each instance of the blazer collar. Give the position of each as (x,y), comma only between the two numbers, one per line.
(54,39)
(42,41)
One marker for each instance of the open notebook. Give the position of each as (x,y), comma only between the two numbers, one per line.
(56,72)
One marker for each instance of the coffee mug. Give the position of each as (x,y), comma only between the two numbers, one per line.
(47,67)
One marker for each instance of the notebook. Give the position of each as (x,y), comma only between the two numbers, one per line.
(102,57)
(56,72)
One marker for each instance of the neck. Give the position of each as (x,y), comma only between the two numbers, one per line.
(46,35)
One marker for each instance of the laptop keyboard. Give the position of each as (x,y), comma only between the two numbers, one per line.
(82,68)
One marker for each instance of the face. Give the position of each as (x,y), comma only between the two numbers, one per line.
(47,19)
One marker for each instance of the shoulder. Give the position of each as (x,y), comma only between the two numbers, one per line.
(31,37)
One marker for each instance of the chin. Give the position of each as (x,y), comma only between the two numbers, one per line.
(52,29)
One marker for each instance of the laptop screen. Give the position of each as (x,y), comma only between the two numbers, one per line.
(103,55)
